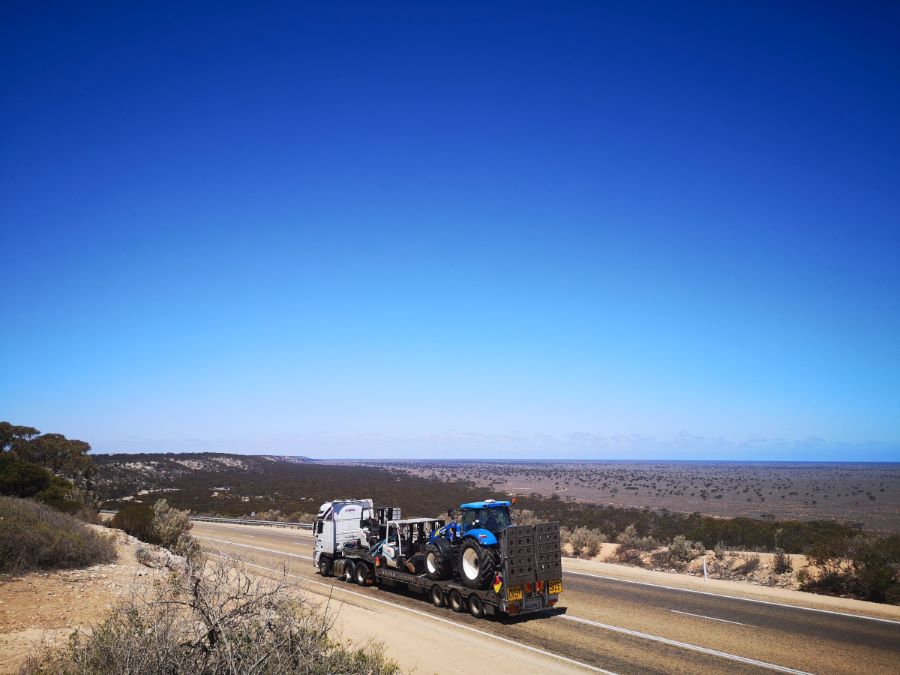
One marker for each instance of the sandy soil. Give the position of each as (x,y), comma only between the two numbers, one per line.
(45,608)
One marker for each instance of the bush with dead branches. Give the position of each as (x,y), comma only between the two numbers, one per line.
(214,619)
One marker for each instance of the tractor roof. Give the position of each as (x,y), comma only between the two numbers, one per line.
(486,504)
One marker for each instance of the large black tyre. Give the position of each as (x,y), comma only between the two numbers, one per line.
(477,564)
(349,571)
(325,566)
(439,560)
(362,573)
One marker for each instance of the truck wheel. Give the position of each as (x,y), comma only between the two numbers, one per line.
(476,606)
(362,574)
(477,564)
(325,566)
(437,596)
(438,557)
(349,571)
(457,604)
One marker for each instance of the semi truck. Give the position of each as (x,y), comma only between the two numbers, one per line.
(482,563)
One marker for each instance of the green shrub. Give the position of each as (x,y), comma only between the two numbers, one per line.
(630,540)
(171,528)
(683,550)
(35,536)
(584,541)
(136,520)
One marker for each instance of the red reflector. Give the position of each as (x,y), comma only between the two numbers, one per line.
(540,586)
(528,588)
(551,601)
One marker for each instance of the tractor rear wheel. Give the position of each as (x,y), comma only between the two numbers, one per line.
(438,560)
(477,564)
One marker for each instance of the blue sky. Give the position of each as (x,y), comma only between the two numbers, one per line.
(454,230)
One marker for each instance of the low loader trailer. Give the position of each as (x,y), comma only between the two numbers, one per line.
(508,570)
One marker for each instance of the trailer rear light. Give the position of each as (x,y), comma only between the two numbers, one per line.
(528,588)
(539,586)
(512,609)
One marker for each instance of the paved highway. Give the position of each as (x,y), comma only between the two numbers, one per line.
(616,626)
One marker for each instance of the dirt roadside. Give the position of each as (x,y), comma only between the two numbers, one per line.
(45,608)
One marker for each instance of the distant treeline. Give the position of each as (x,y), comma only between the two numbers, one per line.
(262,485)
(748,534)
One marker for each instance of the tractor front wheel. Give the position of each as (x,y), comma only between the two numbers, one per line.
(438,560)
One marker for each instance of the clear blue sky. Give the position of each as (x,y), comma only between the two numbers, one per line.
(454,229)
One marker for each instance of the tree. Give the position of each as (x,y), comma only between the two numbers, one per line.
(12,437)
(63,456)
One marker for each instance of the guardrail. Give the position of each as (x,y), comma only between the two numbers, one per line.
(251,521)
(238,521)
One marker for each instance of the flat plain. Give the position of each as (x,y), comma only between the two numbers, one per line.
(865,493)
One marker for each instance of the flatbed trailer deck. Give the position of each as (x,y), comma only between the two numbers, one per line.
(531,575)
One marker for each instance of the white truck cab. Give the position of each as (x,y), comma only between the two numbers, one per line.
(344,523)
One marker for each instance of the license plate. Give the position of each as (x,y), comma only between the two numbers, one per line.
(531,604)
(554,587)
(515,593)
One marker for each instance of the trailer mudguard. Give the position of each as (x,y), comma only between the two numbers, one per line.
(482,536)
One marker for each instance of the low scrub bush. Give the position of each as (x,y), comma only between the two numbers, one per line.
(683,550)
(585,542)
(630,540)
(781,562)
(136,520)
(863,566)
(213,619)
(629,556)
(749,564)
(34,536)
(171,528)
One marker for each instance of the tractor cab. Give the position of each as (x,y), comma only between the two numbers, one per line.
(489,515)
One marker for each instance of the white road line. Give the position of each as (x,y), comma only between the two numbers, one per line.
(492,636)
(712,618)
(258,548)
(685,645)
(733,597)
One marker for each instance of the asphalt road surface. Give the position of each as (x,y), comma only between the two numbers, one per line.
(611,625)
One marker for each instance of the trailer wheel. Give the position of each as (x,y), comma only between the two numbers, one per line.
(325,566)
(349,571)
(457,604)
(362,574)
(437,596)
(476,607)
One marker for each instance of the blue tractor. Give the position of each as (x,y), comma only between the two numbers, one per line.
(469,549)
